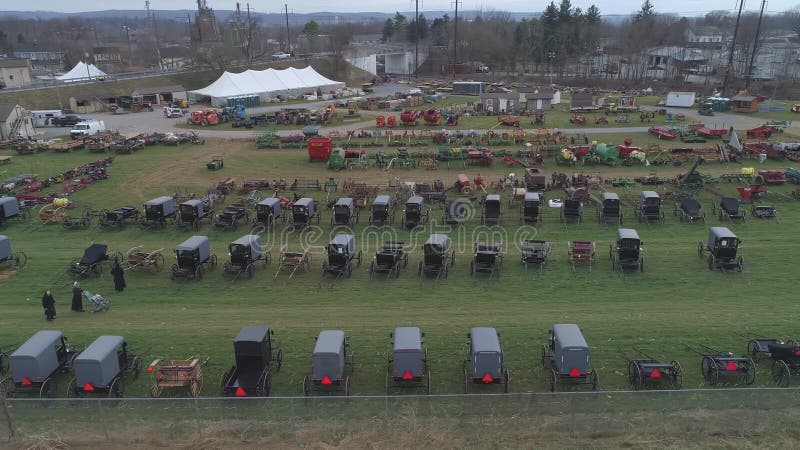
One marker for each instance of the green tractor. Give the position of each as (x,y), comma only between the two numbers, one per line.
(216,163)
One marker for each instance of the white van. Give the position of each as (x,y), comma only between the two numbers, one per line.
(87,128)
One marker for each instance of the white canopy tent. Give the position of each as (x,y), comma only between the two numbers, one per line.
(82,72)
(266,84)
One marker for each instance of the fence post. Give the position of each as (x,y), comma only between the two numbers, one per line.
(292,417)
(388,415)
(9,419)
(197,416)
(102,418)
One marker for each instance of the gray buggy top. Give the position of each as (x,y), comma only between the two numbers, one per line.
(382,200)
(328,357)
(408,352)
(196,204)
(98,365)
(37,358)
(345,202)
(9,207)
(570,350)
(723,235)
(416,201)
(248,241)
(485,352)
(270,204)
(650,198)
(166,204)
(532,197)
(305,202)
(495,198)
(5,247)
(197,244)
(437,244)
(610,196)
(344,243)
(627,234)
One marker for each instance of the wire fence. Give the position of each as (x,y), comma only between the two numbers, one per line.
(578,415)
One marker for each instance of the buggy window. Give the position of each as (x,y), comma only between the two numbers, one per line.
(187,210)
(299,209)
(238,250)
(629,244)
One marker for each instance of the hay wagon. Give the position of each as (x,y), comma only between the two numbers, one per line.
(331,363)
(102,368)
(185,375)
(36,364)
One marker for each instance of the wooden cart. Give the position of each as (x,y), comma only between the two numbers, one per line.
(581,252)
(137,258)
(293,261)
(177,374)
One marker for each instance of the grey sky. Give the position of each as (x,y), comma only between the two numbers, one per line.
(682,7)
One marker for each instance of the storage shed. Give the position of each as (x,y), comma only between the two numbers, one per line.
(159,94)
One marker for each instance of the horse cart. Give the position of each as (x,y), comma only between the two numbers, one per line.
(192,212)
(437,258)
(389,259)
(717,366)
(627,253)
(102,368)
(245,253)
(157,212)
(93,262)
(304,212)
(407,364)
(344,212)
(289,260)
(644,372)
(722,247)
(10,209)
(690,211)
(535,252)
(137,258)
(566,355)
(610,210)
(488,258)
(115,219)
(581,253)
(341,252)
(483,364)
(268,212)
(192,254)
(331,362)
(256,355)
(36,364)
(182,375)
(9,257)
(382,211)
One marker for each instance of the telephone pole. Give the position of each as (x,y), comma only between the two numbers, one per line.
(755,47)
(455,39)
(416,41)
(733,47)
(288,39)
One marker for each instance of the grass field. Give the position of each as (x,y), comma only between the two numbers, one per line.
(677,301)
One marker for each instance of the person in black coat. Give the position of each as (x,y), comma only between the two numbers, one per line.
(119,276)
(77,297)
(49,305)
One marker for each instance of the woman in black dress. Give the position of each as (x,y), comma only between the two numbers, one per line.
(49,305)
(77,297)
(119,276)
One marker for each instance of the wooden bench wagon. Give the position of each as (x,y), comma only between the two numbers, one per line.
(177,374)
(293,261)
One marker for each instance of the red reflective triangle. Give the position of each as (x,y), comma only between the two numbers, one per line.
(149,368)
(797,352)
(26,381)
(326,381)
(731,366)
(407,375)
(574,372)
(240,392)
(487,378)
(88,387)
(655,374)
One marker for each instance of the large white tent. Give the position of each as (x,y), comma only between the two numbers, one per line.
(266,84)
(82,72)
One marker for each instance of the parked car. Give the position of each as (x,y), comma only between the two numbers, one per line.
(281,55)
(66,121)
(87,128)
(172,113)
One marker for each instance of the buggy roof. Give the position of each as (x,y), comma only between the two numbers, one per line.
(415,200)
(38,344)
(252,333)
(159,200)
(610,196)
(627,233)
(729,203)
(493,198)
(342,239)
(438,239)
(531,196)
(569,335)
(722,232)
(650,194)
(94,253)
(382,200)
(407,338)
(270,201)
(193,203)
(484,340)
(193,243)
(5,200)
(344,201)
(249,240)
(101,348)
(690,204)
(329,341)
(305,201)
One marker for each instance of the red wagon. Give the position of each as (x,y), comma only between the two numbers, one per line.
(319,148)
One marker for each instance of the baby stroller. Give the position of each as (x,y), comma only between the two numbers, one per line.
(100,303)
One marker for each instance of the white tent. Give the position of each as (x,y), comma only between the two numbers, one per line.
(680,99)
(266,84)
(82,72)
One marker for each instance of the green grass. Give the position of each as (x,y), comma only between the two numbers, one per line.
(675,302)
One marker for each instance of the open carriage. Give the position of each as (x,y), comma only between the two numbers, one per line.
(182,375)
(488,258)
(690,211)
(230,217)
(389,259)
(137,258)
(115,219)
(581,253)
(289,260)
(93,262)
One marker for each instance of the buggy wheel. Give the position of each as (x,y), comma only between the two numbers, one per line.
(706,365)
(710,262)
(641,264)
(752,351)
(740,264)
(136,367)
(173,271)
(505,380)
(115,390)
(198,272)
(279,360)
(700,248)
(324,268)
(633,375)
(405,260)
(250,271)
(197,386)
(419,270)
(306,386)
(594,378)
(677,375)
(20,259)
(155,389)
(72,390)
(349,269)
(358,257)
(7,388)
(158,262)
(472,268)
(781,373)
(372,269)
(553,381)
(213,262)
(466,381)
(348,388)
(750,378)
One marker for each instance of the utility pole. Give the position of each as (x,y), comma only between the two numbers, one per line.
(416,40)
(733,47)
(755,47)
(455,39)
(288,39)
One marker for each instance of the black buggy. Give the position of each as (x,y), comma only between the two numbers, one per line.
(256,355)
(382,211)
(304,211)
(690,211)
(649,208)
(389,259)
(192,254)
(268,212)
(483,364)
(627,253)
(192,212)
(8,256)
(457,212)
(492,206)
(35,364)
(730,208)
(488,258)
(341,253)
(414,213)
(244,254)
(566,355)
(610,209)
(571,211)
(437,258)
(722,250)
(344,212)
(102,368)
(10,209)
(157,211)
(535,252)
(115,219)
(530,209)
(331,361)
(407,365)
(230,217)
(93,261)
